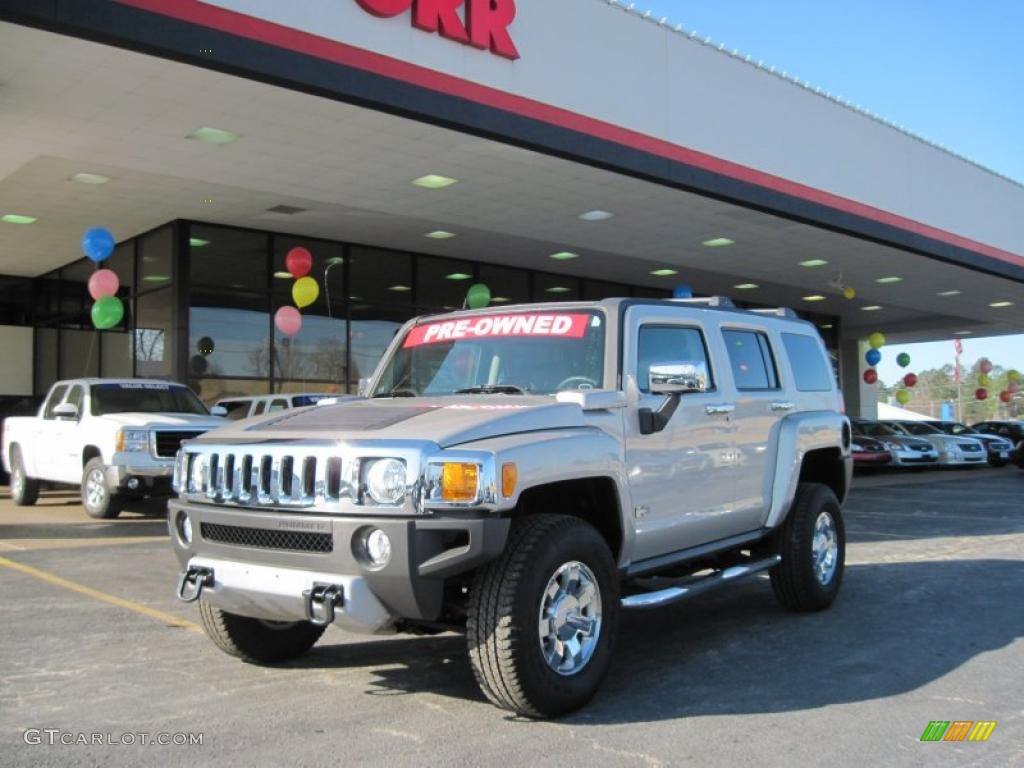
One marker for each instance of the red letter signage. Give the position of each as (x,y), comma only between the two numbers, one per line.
(483,23)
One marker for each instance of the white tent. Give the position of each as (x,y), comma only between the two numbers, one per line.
(888,412)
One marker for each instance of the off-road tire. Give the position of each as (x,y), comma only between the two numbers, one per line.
(503,618)
(100,507)
(257,641)
(794,581)
(24,489)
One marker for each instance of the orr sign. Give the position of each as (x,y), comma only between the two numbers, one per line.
(482,24)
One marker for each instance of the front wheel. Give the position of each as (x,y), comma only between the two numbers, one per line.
(543,617)
(98,498)
(812,543)
(255,640)
(998,462)
(24,489)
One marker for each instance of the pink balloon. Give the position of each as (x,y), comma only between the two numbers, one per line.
(288,320)
(103,282)
(985,365)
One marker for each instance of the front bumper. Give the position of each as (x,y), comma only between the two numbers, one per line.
(263,561)
(905,457)
(151,472)
(871,458)
(957,458)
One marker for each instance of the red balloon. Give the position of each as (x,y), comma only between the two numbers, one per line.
(1005,396)
(299,261)
(985,365)
(910,379)
(870,376)
(981,393)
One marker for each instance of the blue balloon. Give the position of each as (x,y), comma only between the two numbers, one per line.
(872,356)
(682,291)
(98,243)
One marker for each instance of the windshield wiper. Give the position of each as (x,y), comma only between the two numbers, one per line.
(397,393)
(492,389)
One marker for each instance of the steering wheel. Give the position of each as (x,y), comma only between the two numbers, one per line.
(577,382)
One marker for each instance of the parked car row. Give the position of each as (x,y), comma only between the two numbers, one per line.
(933,443)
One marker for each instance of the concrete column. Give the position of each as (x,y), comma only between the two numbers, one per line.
(861,398)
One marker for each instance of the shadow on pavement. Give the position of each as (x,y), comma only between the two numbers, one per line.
(895,628)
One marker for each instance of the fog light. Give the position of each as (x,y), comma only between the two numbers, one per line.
(378,548)
(184,528)
(133,483)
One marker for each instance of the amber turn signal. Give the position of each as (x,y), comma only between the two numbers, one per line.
(509,476)
(459,481)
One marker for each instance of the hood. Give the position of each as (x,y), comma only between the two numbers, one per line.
(868,444)
(167,420)
(445,420)
(908,440)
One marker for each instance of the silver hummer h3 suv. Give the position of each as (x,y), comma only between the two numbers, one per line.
(522,475)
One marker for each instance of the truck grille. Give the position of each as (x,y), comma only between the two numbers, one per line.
(265,538)
(168,442)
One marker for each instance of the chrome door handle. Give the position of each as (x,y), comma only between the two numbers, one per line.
(780,405)
(713,410)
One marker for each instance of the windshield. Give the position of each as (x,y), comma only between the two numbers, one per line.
(144,397)
(918,428)
(873,429)
(954,428)
(512,353)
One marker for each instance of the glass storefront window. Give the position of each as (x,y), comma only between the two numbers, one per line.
(75,301)
(156,258)
(441,284)
(116,355)
(79,354)
(380,277)
(122,263)
(45,359)
(154,335)
(317,353)
(595,290)
(507,284)
(328,271)
(229,335)
(226,258)
(373,328)
(211,390)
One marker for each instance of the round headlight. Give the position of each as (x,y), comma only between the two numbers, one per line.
(184,528)
(378,548)
(385,481)
(195,483)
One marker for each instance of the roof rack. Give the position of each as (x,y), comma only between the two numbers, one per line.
(722,302)
(778,312)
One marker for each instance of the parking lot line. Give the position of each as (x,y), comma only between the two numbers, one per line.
(145,610)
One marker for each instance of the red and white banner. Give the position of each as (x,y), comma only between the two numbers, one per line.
(564,326)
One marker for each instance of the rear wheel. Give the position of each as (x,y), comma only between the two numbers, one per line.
(255,640)
(543,617)
(812,543)
(98,498)
(24,489)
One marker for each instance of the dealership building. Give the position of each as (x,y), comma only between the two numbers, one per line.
(560,150)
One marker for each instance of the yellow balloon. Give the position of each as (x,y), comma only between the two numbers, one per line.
(984,380)
(305,291)
(1013,375)
(903,397)
(849,292)
(876,340)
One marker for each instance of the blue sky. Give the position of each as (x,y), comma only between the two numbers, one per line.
(948,70)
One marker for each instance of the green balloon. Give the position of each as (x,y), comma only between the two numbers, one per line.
(478,296)
(903,360)
(107,312)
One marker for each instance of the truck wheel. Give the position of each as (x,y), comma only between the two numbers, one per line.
(543,617)
(255,640)
(98,499)
(24,489)
(812,543)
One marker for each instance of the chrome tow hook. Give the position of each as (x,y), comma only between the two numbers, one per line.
(321,601)
(192,581)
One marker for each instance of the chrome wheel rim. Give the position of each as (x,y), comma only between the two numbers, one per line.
(825,548)
(95,489)
(17,482)
(570,618)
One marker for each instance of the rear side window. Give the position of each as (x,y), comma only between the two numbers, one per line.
(753,365)
(261,406)
(669,344)
(278,405)
(237,409)
(808,363)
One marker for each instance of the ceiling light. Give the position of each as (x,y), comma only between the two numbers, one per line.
(14,218)
(596,215)
(964,333)
(889,280)
(814,297)
(718,242)
(948,293)
(746,286)
(197,242)
(555,289)
(433,181)
(813,263)
(400,288)
(440,234)
(458,276)
(1000,304)
(156,279)
(664,272)
(283,275)
(871,308)
(500,300)
(89,178)
(216,136)
(564,256)
(826,326)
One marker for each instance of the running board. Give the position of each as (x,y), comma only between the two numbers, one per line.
(699,586)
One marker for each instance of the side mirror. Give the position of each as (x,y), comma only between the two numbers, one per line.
(678,378)
(364,387)
(66,411)
(218,410)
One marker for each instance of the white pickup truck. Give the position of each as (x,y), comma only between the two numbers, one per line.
(116,437)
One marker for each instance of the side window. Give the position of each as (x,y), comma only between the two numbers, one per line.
(261,406)
(669,344)
(54,400)
(753,366)
(808,363)
(76,397)
(278,404)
